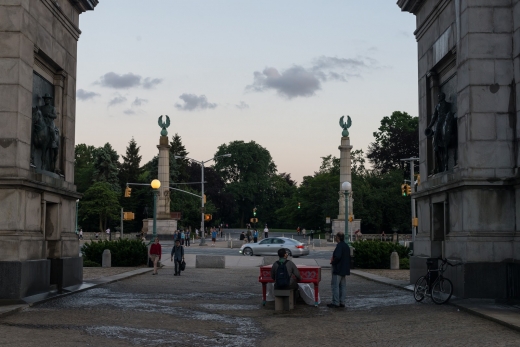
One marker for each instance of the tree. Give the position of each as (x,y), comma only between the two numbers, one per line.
(181,164)
(130,169)
(397,138)
(83,166)
(100,201)
(106,162)
(247,174)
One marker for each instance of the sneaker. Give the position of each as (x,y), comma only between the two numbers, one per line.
(341,305)
(332,306)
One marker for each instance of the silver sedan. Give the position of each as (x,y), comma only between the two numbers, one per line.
(271,245)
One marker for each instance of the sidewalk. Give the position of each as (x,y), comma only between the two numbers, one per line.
(506,315)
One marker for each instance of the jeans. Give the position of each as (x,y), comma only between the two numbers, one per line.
(178,266)
(339,289)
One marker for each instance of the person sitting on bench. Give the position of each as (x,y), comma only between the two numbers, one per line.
(284,272)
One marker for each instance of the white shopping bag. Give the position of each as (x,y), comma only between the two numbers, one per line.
(307,293)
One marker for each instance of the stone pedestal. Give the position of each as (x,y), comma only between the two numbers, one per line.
(468,212)
(38,244)
(164,226)
(339,225)
(163,200)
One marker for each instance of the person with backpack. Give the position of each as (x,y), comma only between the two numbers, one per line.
(340,262)
(177,256)
(284,272)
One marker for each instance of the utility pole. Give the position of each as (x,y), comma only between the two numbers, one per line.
(412,183)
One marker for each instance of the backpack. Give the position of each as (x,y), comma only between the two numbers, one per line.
(282,277)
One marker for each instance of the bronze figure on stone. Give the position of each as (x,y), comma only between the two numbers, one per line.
(443,129)
(45,135)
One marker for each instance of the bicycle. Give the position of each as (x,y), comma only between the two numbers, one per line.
(440,290)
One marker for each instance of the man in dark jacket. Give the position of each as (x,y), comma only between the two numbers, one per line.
(177,256)
(340,262)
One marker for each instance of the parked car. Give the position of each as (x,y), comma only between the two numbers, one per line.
(271,245)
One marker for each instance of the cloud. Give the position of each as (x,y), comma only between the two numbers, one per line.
(149,83)
(242,105)
(193,102)
(82,94)
(129,111)
(299,81)
(138,102)
(293,82)
(117,100)
(126,81)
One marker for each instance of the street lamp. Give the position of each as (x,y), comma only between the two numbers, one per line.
(201,163)
(155,184)
(346,186)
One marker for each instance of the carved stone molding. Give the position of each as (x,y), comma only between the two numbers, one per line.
(411,6)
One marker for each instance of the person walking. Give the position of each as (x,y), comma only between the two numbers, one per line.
(155,254)
(177,256)
(183,236)
(255,236)
(340,262)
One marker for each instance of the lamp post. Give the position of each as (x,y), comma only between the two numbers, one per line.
(201,163)
(346,186)
(155,184)
(77,202)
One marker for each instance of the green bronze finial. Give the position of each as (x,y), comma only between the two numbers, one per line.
(164,125)
(345,126)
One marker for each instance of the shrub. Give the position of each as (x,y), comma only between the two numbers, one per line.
(376,254)
(125,252)
(404,263)
(90,263)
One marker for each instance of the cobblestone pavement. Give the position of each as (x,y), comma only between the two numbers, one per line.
(401,275)
(222,307)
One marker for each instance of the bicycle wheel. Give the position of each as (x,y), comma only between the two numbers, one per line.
(442,290)
(419,291)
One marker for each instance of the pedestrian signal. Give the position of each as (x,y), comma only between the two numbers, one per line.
(350,218)
(128,192)
(207,217)
(128,216)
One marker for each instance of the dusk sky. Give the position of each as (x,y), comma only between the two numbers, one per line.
(280,73)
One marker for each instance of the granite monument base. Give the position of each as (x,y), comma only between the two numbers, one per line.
(24,278)
(164,226)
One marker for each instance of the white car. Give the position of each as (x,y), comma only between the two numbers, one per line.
(271,245)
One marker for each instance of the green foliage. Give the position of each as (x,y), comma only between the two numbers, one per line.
(376,254)
(397,138)
(99,201)
(129,172)
(124,252)
(178,149)
(404,264)
(106,166)
(83,166)
(90,263)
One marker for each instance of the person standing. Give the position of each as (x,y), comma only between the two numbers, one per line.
(213,236)
(298,231)
(188,235)
(340,262)
(177,257)
(183,236)
(248,235)
(266,232)
(108,233)
(81,234)
(255,236)
(155,254)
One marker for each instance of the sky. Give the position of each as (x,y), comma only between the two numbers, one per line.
(280,73)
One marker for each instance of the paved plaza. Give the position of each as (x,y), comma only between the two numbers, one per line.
(222,307)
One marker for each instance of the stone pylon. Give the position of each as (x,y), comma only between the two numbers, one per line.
(345,175)
(163,202)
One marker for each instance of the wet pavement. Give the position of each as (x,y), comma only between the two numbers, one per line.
(222,307)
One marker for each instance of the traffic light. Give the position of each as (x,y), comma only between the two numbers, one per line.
(403,189)
(298,205)
(350,218)
(128,216)
(207,217)
(408,190)
(204,198)
(418,181)
(254,212)
(128,192)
